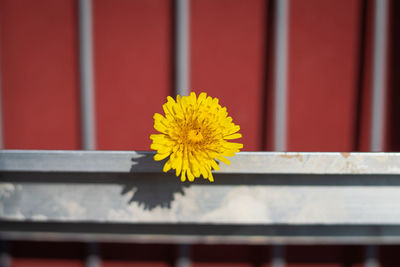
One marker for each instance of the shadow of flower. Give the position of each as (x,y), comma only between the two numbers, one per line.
(151,190)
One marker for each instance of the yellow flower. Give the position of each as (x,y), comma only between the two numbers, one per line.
(194,132)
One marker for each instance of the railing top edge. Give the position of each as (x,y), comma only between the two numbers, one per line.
(255,153)
(242,163)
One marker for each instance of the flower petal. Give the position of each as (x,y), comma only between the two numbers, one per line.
(194,134)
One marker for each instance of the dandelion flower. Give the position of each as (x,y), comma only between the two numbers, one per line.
(194,133)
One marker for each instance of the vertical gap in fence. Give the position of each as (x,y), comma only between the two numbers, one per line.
(267,98)
(393,126)
(361,75)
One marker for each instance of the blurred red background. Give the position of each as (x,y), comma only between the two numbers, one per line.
(329,92)
(329,78)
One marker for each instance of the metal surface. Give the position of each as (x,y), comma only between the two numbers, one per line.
(5,259)
(182,82)
(86,75)
(261,198)
(281,69)
(293,200)
(379,75)
(92,257)
(278,256)
(202,233)
(183,257)
(281,22)
(371,254)
(378,108)
(242,163)
(182,47)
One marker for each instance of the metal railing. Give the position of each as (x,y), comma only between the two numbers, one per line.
(262,198)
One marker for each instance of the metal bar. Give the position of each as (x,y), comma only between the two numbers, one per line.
(182,83)
(203,233)
(371,256)
(378,96)
(281,95)
(183,257)
(281,57)
(236,199)
(278,256)
(379,75)
(242,163)
(93,258)
(182,47)
(88,134)
(5,259)
(86,75)
(270,197)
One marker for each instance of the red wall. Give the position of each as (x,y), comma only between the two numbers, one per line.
(329,83)
(228,54)
(231,58)
(323,74)
(133,69)
(39,75)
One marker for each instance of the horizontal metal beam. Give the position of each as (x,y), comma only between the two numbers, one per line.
(202,233)
(262,197)
(243,162)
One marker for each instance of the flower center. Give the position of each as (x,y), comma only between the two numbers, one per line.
(195,136)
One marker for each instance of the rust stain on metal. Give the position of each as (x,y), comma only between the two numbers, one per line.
(297,156)
(345,154)
(352,168)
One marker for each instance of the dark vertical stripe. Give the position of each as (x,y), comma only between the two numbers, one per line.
(361,76)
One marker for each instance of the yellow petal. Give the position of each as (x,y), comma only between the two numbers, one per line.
(210,177)
(167,166)
(210,127)
(159,157)
(215,165)
(183,177)
(190,175)
(233,136)
(224,160)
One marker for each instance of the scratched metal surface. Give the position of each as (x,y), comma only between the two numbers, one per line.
(280,189)
(277,189)
(158,201)
(243,162)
